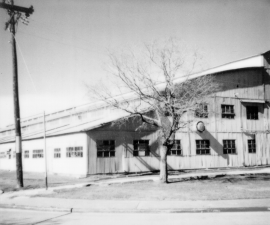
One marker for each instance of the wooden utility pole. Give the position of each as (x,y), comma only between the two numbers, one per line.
(15,13)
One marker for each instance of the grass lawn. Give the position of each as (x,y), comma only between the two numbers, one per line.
(227,187)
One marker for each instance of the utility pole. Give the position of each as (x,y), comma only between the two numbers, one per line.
(15,13)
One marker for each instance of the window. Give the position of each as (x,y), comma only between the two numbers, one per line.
(105,148)
(2,155)
(38,153)
(74,152)
(9,153)
(202,147)
(202,111)
(141,148)
(26,154)
(227,111)
(57,153)
(252,112)
(176,149)
(229,147)
(251,146)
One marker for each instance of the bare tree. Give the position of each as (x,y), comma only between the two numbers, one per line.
(158,80)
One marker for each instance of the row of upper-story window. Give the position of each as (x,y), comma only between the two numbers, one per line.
(228,112)
(106,148)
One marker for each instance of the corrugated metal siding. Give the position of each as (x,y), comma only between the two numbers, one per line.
(244,83)
(253,124)
(123,160)
(126,162)
(228,125)
(217,129)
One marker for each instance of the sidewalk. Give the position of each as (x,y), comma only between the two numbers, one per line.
(71,205)
(23,199)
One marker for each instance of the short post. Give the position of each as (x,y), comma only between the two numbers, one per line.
(45,151)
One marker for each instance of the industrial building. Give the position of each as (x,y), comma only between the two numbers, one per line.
(84,140)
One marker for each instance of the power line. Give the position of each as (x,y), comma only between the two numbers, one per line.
(29,74)
(52,31)
(59,42)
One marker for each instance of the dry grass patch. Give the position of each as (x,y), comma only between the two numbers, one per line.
(223,188)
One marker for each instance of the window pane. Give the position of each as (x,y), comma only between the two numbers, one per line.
(229,147)
(202,146)
(252,112)
(142,148)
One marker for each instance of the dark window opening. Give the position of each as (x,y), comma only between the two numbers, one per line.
(105,148)
(252,112)
(57,153)
(74,152)
(176,149)
(229,147)
(227,111)
(251,146)
(141,148)
(38,153)
(202,147)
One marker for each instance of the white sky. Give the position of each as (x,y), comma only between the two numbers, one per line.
(64,46)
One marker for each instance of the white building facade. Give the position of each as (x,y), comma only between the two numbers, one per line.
(83,140)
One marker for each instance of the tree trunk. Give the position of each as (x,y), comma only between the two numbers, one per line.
(163,164)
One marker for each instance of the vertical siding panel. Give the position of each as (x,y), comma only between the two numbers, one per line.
(92,155)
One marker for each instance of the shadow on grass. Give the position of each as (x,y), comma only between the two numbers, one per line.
(224,178)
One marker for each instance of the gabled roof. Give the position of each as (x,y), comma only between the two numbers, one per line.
(68,128)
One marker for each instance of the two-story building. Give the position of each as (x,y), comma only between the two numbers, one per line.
(84,140)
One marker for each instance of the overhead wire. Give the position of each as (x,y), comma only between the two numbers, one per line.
(54,32)
(85,49)
(59,42)
(24,61)
(47,27)
(28,72)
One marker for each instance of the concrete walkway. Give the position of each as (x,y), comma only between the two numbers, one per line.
(23,199)
(78,205)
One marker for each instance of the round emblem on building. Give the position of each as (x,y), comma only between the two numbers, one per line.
(200,126)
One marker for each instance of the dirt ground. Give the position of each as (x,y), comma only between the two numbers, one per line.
(221,188)
(37,180)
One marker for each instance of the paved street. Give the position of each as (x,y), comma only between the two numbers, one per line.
(23,217)
(16,209)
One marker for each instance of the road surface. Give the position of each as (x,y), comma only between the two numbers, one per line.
(22,217)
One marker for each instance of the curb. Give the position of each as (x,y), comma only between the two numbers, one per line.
(49,209)
(187,210)
(182,210)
